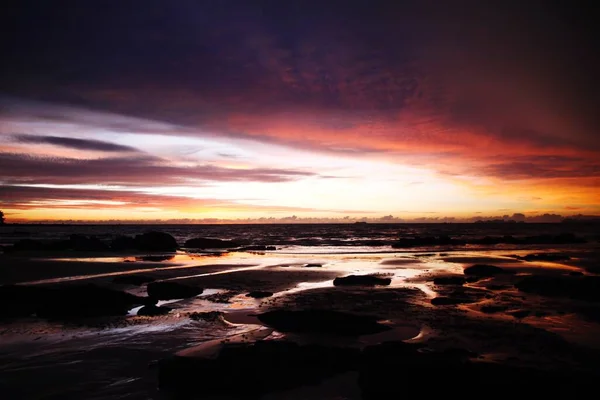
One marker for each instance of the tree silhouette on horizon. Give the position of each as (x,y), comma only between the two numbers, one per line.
(1,218)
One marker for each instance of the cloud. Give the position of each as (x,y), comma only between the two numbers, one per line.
(134,171)
(78,144)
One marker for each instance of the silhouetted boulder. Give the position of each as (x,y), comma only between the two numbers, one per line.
(259,294)
(313,265)
(166,290)
(155,241)
(256,368)
(121,243)
(208,243)
(321,321)
(68,301)
(152,311)
(28,245)
(155,258)
(585,288)
(446,301)
(132,279)
(362,280)
(450,280)
(484,270)
(86,243)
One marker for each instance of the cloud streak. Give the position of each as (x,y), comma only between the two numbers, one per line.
(78,144)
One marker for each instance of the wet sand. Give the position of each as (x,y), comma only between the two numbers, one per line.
(487,316)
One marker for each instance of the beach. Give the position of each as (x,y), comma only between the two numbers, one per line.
(499,302)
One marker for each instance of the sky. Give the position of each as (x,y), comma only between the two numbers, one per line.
(310,110)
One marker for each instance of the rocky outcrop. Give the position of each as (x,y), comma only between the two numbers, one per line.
(322,321)
(155,241)
(153,311)
(167,290)
(259,294)
(485,270)
(586,288)
(362,280)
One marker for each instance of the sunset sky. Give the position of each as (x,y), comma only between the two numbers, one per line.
(133,110)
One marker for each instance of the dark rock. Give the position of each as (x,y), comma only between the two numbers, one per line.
(208,243)
(585,288)
(28,245)
(497,287)
(256,368)
(166,290)
(418,241)
(576,273)
(362,280)
(484,270)
(68,301)
(449,280)
(322,321)
(493,309)
(259,294)
(211,316)
(155,241)
(121,243)
(152,311)
(86,243)
(132,279)
(451,369)
(313,265)
(446,301)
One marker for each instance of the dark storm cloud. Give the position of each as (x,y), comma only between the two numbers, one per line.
(135,171)
(78,144)
(363,75)
(542,167)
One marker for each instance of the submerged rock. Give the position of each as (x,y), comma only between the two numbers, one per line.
(259,294)
(155,241)
(485,270)
(256,368)
(585,288)
(132,279)
(209,243)
(450,280)
(68,301)
(167,290)
(322,321)
(362,280)
(152,311)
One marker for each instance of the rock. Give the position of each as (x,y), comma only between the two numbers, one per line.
(86,243)
(155,241)
(362,280)
(427,241)
(28,245)
(208,243)
(152,311)
(257,248)
(585,288)
(322,321)
(155,258)
(168,290)
(132,279)
(66,301)
(492,309)
(256,368)
(121,243)
(484,270)
(445,301)
(259,294)
(211,316)
(576,273)
(313,265)
(449,280)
